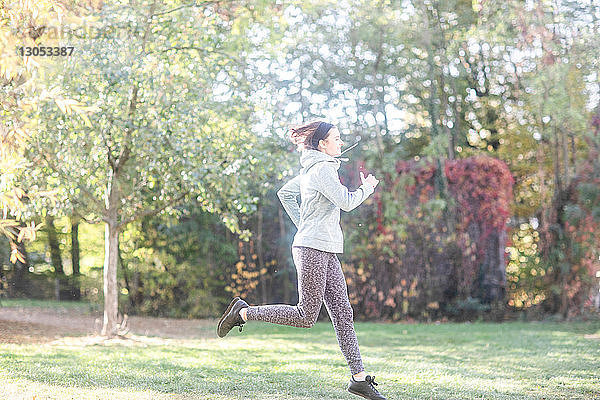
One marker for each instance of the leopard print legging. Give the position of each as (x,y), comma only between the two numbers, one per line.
(320,277)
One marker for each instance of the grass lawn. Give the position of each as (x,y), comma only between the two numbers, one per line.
(422,361)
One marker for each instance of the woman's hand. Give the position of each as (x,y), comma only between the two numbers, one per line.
(369,180)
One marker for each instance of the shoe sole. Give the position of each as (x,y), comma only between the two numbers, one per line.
(358,394)
(225,314)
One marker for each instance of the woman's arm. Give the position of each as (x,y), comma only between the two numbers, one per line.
(288,196)
(329,184)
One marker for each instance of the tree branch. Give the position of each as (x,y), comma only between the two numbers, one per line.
(199,49)
(111,159)
(93,221)
(180,7)
(82,188)
(126,151)
(152,211)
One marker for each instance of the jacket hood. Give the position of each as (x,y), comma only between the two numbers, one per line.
(311,157)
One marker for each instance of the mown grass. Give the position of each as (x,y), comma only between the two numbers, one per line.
(81,306)
(422,361)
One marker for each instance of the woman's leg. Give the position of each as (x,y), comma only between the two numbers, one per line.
(341,314)
(311,266)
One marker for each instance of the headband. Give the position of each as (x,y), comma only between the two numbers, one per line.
(320,134)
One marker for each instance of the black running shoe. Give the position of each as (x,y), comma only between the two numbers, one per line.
(231,317)
(365,388)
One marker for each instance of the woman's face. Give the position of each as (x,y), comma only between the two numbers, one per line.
(332,145)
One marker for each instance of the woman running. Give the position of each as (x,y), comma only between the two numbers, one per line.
(319,238)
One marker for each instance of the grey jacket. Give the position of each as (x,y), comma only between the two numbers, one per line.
(322,196)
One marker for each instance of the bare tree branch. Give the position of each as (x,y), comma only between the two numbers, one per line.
(93,221)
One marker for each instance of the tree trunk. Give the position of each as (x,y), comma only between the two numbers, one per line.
(59,273)
(456,129)
(544,231)
(433,95)
(20,284)
(283,259)
(55,255)
(443,115)
(556,157)
(259,252)
(565,156)
(111,308)
(75,284)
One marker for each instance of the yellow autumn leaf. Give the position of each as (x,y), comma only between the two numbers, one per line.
(8,234)
(81,112)
(60,105)
(21,235)
(28,233)
(32,230)
(7,223)
(86,120)
(19,192)
(35,12)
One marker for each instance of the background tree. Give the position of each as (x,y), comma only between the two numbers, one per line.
(156,132)
(21,25)
(550,122)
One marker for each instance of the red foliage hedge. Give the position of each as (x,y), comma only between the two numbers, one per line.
(437,241)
